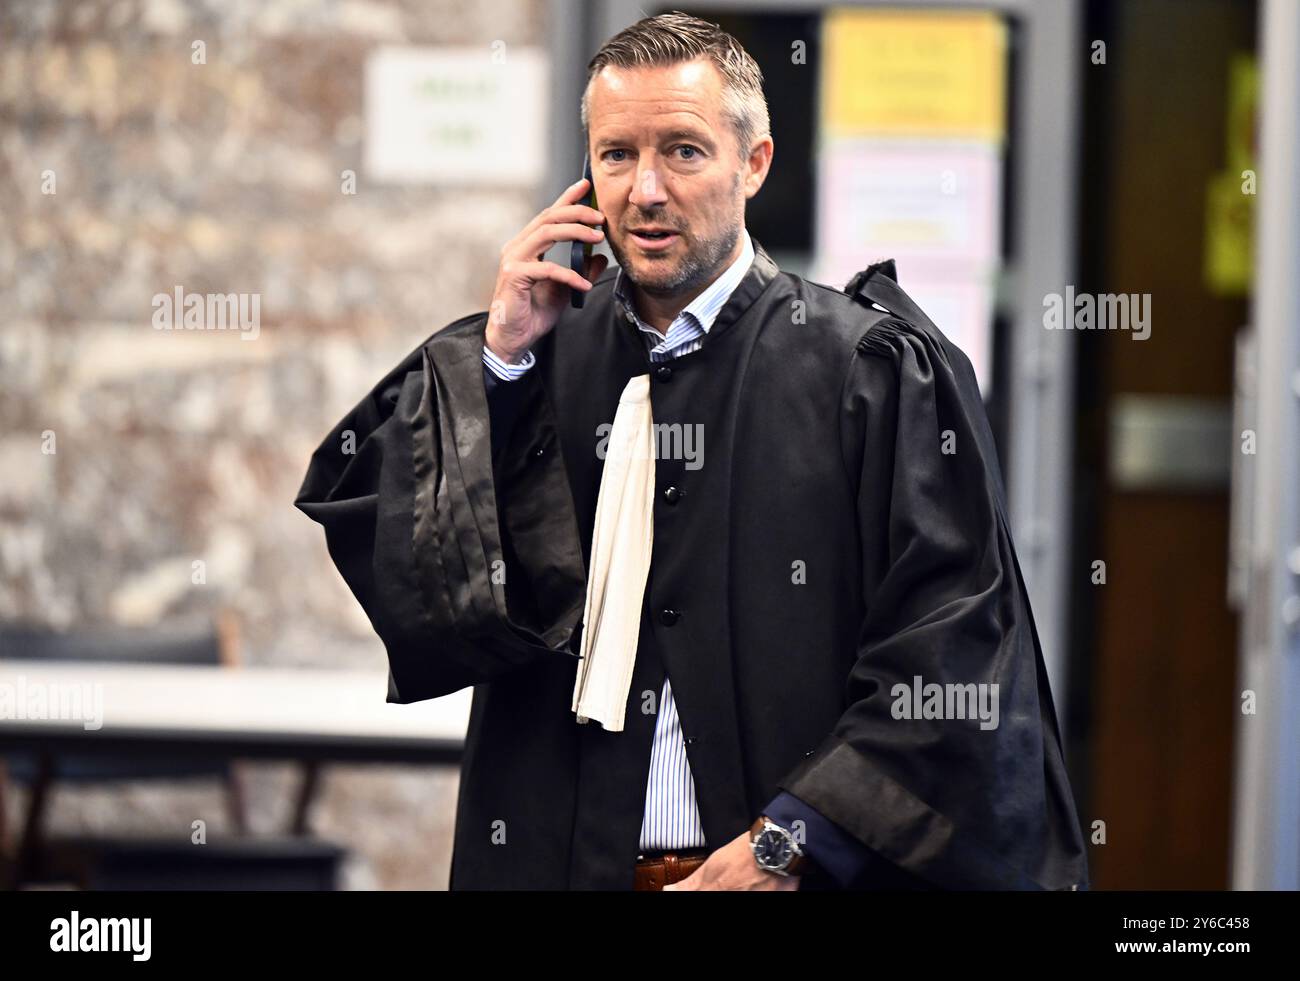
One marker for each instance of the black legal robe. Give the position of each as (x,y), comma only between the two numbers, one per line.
(826,550)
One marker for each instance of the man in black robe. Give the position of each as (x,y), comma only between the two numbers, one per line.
(832,592)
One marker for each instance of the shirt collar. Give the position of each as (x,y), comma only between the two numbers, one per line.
(705,307)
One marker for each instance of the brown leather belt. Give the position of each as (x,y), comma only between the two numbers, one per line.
(654,870)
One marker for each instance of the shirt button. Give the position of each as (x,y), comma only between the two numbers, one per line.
(668,617)
(664,373)
(672,495)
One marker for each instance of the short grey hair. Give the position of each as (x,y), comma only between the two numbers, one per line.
(671,38)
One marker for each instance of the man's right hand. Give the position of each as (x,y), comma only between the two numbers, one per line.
(531,292)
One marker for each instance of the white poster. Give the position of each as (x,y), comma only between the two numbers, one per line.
(473,115)
(939,200)
(932,206)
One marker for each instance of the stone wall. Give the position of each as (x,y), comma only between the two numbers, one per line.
(176,447)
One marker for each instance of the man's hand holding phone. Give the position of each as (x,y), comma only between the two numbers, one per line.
(531,292)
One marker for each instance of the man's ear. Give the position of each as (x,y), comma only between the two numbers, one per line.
(758,164)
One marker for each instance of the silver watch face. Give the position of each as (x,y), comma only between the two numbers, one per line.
(773,849)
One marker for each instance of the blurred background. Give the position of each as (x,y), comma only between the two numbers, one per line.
(1098,200)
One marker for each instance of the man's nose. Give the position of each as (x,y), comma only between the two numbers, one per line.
(648,189)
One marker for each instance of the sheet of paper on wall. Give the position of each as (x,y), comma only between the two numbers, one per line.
(930,199)
(935,207)
(1230,194)
(912,126)
(1229,235)
(457,115)
(935,74)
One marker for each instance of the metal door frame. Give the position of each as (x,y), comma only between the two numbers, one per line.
(1266,793)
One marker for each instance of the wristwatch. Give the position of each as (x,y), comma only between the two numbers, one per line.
(775,849)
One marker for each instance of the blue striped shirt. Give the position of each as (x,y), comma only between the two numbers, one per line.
(672,816)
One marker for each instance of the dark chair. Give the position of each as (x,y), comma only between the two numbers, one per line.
(88,860)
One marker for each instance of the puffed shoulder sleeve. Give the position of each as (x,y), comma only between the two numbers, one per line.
(947,760)
(414,510)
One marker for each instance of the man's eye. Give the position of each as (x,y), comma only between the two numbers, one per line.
(694,151)
(618,159)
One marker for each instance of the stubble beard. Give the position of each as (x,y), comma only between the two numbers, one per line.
(698,266)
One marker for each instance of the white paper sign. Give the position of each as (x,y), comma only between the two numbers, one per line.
(463,115)
(937,200)
(935,208)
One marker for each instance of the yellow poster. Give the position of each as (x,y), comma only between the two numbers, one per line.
(1229,221)
(1230,195)
(894,73)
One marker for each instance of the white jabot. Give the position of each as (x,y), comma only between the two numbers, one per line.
(621,543)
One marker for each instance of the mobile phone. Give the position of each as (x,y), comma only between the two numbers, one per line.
(580,252)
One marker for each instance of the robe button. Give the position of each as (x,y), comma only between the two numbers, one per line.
(668,617)
(672,495)
(664,373)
